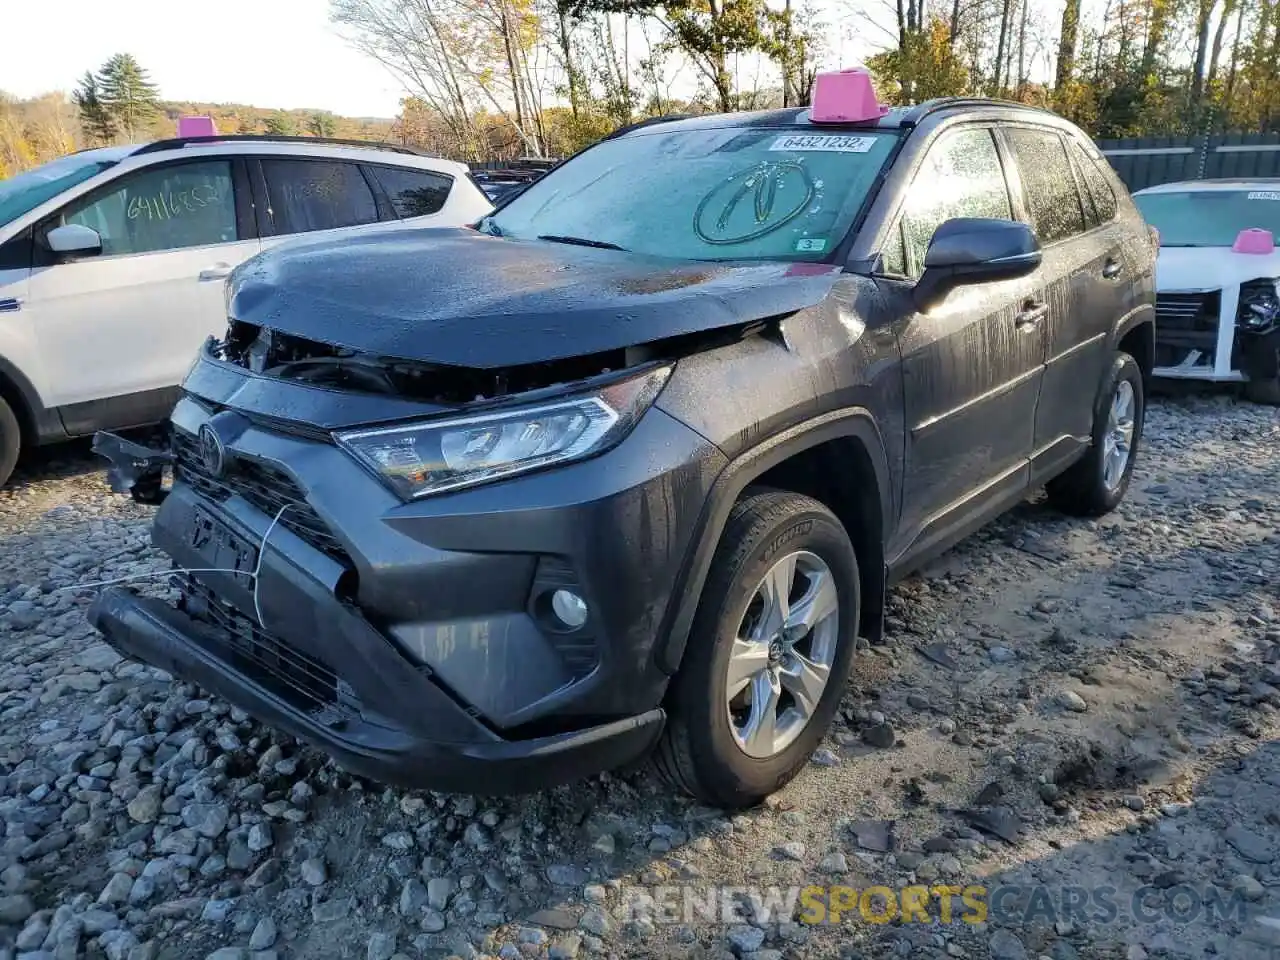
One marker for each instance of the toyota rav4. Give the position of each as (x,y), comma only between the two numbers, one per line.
(626,468)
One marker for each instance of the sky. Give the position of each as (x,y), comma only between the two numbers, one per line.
(213,52)
(210,52)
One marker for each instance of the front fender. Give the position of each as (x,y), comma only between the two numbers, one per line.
(855,423)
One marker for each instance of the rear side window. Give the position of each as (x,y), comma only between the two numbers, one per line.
(413,193)
(961,177)
(1098,192)
(311,195)
(1047,183)
(161,208)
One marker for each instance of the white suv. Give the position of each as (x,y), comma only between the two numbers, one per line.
(112,261)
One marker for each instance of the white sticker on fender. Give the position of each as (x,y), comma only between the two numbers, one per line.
(824,144)
(1264,195)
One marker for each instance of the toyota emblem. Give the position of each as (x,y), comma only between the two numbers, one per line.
(212,453)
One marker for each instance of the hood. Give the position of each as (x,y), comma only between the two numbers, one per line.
(1211,268)
(455,296)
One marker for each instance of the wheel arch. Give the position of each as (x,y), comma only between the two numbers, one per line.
(1135,333)
(812,458)
(38,424)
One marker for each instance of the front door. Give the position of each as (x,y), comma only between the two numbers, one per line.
(972,365)
(118,331)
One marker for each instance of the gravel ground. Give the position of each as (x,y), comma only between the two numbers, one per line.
(1075,713)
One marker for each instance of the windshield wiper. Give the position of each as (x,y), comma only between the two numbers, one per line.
(581,242)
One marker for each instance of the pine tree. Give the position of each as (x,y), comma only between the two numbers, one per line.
(96,122)
(127,94)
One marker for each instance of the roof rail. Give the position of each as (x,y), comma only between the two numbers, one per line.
(665,118)
(174,143)
(915,114)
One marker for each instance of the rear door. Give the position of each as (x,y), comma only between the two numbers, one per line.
(117,331)
(1082,273)
(972,365)
(310,195)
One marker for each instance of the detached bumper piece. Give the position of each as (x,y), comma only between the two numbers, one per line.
(343,709)
(136,470)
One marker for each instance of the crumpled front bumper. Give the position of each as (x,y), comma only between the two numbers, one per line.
(152,631)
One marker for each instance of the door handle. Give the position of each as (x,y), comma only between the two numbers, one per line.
(1112,269)
(219,271)
(1033,311)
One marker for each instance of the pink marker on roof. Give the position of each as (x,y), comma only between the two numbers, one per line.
(845,96)
(197,127)
(1254,240)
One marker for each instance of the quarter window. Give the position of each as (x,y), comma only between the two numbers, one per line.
(311,195)
(413,193)
(1047,183)
(162,208)
(1098,191)
(961,177)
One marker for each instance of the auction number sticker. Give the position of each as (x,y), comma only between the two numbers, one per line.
(801,143)
(1264,195)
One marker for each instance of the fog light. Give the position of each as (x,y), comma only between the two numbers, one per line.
(569,608)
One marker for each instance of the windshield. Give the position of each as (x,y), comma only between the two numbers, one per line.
(1209,218)
(26,191)
(721,194)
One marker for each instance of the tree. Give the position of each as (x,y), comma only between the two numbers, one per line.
(321,124)
(127,95)
(280,124)
(96,120)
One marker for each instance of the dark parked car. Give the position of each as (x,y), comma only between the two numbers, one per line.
(627,468)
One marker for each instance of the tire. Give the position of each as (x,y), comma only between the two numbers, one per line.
(10,441)
(1082,490)
(699,751)
(1266,392)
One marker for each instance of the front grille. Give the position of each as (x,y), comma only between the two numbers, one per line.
(266,488)
(303,681)
(1186,322)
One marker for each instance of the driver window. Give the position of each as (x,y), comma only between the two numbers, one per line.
(162,208)
(961,177)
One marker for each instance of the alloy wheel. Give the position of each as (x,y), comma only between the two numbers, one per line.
(1117,442)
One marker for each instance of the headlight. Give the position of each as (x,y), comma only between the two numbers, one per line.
(421,458)
(1259,307)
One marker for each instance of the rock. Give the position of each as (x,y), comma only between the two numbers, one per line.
(264,934)
(596,921)
(824,758)
(1070,700)
(947,726)
(1135,803)
(566,947)
(145,807)
(744,939)
(562,875)
(227,953)
(1003,945)
(440,891)
(313,872)
(330,910)
(834,863)
(398,841)
(117,889)
(15,909)
(874,835)
(1001,655)
(95,922)
(382,946)
(1248,887)
(206,819)
(413,897)
(791,850)
(432,921)
(556,919)
(1251,846)
(260,837)
(880,735)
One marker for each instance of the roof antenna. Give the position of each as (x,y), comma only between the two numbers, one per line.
(845,96)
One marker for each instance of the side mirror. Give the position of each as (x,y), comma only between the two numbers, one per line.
(974,250)
(74,240)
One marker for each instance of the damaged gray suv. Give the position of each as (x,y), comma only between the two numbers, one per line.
(625,469)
